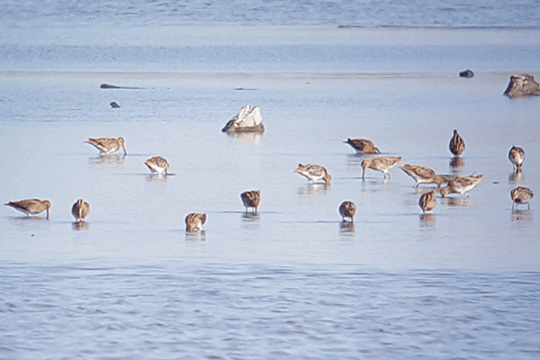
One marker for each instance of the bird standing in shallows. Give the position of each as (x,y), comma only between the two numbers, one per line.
(313,173)
(195,222)
(362,146)
(425,175)
(251,199)
(157,164)
(31,206)
(347,209)
(381,163)
(457,145)
(516,157)
(461,185)
(108,145)
(427,201)
(521,195)
(80,210)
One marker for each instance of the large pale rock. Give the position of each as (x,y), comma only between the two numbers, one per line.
(522,85)
(248,120)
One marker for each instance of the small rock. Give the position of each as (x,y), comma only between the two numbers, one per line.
(466,74)
(109,86)
(115,105)
(522,85)
(248,120)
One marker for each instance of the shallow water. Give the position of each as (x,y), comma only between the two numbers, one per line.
(292,282)
(307,117)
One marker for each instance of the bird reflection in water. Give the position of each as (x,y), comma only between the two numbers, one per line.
(346,227)
(107,160)
(456,163)
(80,225)
(196,236)
(516,176)
(456,201)
(521,216)
(427,220)
(313,189)
(158,177)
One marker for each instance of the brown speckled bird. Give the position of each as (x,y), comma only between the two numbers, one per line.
(457,145)
(461,185)
(427,201)
(157,164)
(516,157)
(521,195)
(313,173)
(362,146)
(381,163)
(425,175)
(347,209)
(31,206)
(251,199)
(80,210)
(194,222)
(107,145)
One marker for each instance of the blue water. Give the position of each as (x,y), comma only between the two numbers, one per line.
(292,283)
(448,13)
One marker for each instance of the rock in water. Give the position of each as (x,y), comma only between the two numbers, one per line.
(466,74)
(248,120)
(522,85)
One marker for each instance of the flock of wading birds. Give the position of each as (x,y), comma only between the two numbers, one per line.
(314,173)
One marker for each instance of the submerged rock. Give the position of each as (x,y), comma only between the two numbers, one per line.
(248,120)
(522,85)
(109,86)
(466,74)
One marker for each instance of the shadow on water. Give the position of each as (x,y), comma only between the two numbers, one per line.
(516,176)
(80,225)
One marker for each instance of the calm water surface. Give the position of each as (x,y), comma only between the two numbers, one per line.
(292,282)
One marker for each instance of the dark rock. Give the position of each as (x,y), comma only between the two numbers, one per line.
(466,74)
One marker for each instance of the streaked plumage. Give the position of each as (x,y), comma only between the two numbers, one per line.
(362,146)
(347,209)
(313,173)
(80,210)
(31,206)
(425,175)
(457,145)
(427,201)
(521,195)
(381,163)
(516,157)
(251,199)
(461,185)
(157,164)
(195,222)
(108,145)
